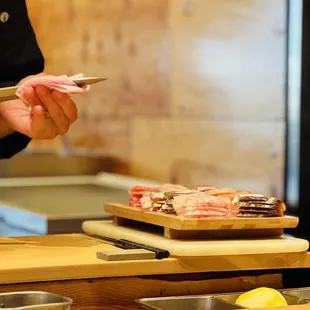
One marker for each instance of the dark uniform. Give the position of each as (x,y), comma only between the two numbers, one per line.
(20,56)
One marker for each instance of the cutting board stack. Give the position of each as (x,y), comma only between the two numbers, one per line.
(198,237)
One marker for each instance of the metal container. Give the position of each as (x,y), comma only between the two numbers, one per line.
(215,301)
(185,303)
(302,294)
(34,301)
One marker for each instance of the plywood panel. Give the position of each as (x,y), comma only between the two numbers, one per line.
(228,58)
(99,137)
(125,41)
(240,154)
(217,65)
(102,137)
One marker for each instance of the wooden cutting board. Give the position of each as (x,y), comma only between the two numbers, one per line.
(283,244)
(176,227)
(179,223)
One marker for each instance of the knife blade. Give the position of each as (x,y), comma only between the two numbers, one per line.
(126,244)
(9,93)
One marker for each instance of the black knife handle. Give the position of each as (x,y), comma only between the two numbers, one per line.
(160,253)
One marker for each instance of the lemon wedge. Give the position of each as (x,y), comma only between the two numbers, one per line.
(262,297)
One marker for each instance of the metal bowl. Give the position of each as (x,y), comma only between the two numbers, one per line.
(34,301)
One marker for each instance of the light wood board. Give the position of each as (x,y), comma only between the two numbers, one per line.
(128,254)
(178,223)
(62,257)
(183,248)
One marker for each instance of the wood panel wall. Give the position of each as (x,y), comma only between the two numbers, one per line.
(195,91)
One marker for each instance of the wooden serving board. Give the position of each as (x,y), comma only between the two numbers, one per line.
(190,248)
(176,227)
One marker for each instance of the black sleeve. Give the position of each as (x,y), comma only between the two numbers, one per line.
(20,56)
(13,144)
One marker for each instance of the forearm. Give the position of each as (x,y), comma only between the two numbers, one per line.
(11,142)
(20,56)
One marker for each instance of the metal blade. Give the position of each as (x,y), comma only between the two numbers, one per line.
(8,93)
(88,80)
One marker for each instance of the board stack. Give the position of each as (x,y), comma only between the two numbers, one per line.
(184,237)
(189,222)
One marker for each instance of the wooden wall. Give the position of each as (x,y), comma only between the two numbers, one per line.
(195,91)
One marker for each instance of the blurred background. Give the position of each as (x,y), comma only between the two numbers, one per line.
(198,92)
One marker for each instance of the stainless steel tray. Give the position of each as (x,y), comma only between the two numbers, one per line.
(8,93)
(215,301)
(34,301)
(185,303)
(303,294)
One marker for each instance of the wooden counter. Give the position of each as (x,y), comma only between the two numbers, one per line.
(62,257)
(67,265)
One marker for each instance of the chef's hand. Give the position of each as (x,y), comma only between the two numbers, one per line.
(51,113)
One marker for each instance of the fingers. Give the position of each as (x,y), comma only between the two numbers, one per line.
(67,105)
(31,97)
(38,124)
(55,111)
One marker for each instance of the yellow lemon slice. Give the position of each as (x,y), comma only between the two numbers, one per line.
(262,297)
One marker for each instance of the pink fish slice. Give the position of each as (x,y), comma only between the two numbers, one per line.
(76,84)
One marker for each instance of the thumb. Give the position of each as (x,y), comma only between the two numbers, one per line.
(37,121)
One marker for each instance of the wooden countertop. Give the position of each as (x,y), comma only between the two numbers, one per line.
(62,257)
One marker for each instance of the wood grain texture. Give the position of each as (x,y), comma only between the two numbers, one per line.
(179,223)
(125,41)
(128,254)
(216,60)
(228,58)
(241,155)
(121,293)
(100,137)
(65,257)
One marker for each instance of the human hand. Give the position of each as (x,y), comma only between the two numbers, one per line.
(51,113)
